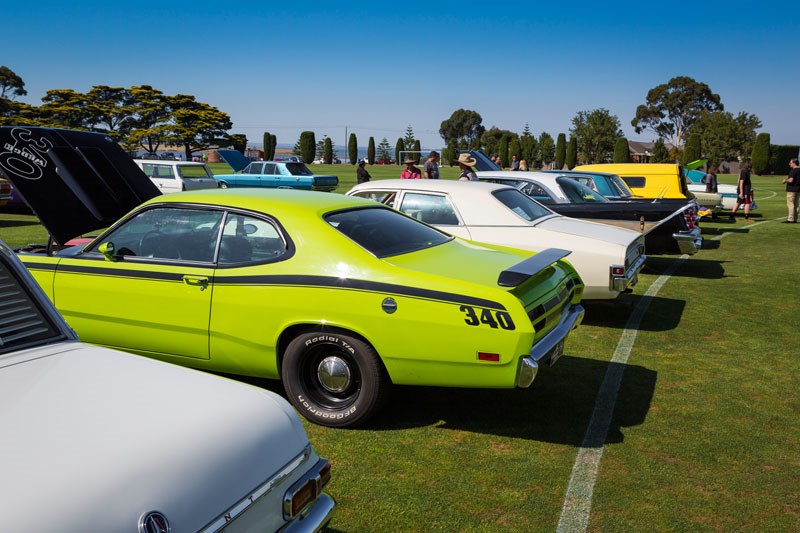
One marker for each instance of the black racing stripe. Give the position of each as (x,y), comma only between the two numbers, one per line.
(39,266)
(358,284)
(116,272)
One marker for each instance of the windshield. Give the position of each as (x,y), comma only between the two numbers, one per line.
(298,169)
(620,187)
(578,193)
(522,205)
(384,232)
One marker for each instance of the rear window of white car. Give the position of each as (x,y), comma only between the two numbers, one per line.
(385,232)
(22,324)
(522,205)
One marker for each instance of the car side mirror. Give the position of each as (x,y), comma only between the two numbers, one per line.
(108,250)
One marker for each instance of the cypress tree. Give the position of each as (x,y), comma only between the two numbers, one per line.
(327,151)
(371,151)
(514,148)
(417,148)
(760,155)
(561,151)
(622,153)
(502,151)
(692,151)
(572,153)
(267,141)
(399,147)
(352,149)
(308,146)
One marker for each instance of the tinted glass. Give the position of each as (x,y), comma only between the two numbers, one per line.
(522,205)
(253,168)
(578,193)
(247,239)
(384,232)
(298,169)
(635,182)
(429,208)
(271,169)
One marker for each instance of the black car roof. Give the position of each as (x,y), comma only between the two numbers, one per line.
(75,181)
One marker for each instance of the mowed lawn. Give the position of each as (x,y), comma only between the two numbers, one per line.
(705,428)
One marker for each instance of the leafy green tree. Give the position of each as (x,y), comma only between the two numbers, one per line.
(371,151)
(672,108)
(239,142)
(463,126)
(151,112)
(352,149)
(196,125)
(384,151)
(328,153)
(319,150)
(596,133)
(760,154)
(515,148)
(693,149)
(408,140)
(622,153)
(11,85)
(502,151)
(417,148)
(572,153)
(307,144)
(110,108)
(449,154)
(490,139)
(561,150)
(528,145)
(547,149)
(725,137)
(660,152)
(65,108)
(13,113)
(399,147)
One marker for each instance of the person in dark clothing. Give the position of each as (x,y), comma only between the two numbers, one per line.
(792,182)
(711,180)
(744,188)
(362,176)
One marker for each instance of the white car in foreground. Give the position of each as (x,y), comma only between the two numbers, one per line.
(607,258)
(99,440)
(177,176)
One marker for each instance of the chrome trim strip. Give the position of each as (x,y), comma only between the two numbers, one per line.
(317,517)
(620,283)
(542,349)
(242,505)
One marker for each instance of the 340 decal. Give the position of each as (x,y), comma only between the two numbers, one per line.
(493,319)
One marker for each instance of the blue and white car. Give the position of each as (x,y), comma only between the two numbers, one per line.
(697,183)
(271,174)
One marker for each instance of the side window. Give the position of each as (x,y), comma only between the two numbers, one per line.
(270,169)
(157,171)
(635,182)
(247,239)
(254,168)
(382,197)
(168,233)
(429,208)
(536,192)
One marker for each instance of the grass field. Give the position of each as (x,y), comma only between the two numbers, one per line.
(704,433)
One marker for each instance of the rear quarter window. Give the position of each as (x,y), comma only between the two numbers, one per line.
(635,182)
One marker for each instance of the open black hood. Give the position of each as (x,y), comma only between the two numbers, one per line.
(75,181)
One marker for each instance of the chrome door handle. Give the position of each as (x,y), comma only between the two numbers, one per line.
(197,281)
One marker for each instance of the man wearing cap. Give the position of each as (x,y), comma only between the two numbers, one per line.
(410,172)
(432,166)
(361,173)
(467,164)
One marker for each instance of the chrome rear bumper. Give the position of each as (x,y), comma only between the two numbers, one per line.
(549,347)
(620,283)
(689,242)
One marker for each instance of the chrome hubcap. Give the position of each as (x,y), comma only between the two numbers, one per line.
(334,374)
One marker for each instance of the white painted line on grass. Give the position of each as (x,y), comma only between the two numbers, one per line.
(578,499)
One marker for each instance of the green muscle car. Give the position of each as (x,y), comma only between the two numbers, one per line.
(339,297)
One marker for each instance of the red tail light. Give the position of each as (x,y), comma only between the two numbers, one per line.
(618,271)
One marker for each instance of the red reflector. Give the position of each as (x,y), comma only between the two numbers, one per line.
(618,271)
(483,356)
(324,476)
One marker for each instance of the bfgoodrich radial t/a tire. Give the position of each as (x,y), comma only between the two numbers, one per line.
(333,379)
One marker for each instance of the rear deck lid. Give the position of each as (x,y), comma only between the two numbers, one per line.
(75,181)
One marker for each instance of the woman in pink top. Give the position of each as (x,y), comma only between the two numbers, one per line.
(410,172)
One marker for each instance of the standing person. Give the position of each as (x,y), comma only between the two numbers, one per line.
(744,192)
(466,163)
(792,182)
(431,167)
(410,172)
(514,163)
(711,180)
(523,165)
(362,176)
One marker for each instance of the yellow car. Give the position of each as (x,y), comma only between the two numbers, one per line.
(339,297)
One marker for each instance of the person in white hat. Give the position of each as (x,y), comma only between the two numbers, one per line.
(467,164)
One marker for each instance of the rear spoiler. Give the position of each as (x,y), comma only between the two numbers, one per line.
(522,271)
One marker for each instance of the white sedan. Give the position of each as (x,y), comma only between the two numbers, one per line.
(607,258)
(99,440)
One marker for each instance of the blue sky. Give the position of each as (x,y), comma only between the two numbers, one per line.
(375,68)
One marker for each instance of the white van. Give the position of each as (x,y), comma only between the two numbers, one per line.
(176,176)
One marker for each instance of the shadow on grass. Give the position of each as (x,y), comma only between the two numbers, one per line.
(690,268)
(556,409)
(615,314)
(707,232)
(18,223)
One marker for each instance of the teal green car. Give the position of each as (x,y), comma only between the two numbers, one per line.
(337,296)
